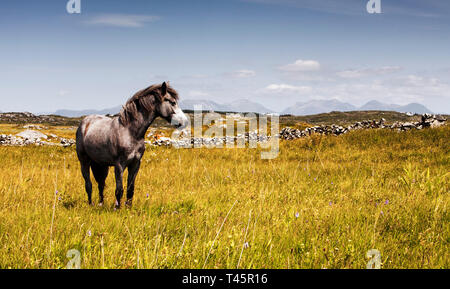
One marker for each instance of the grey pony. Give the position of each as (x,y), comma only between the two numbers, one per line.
(103,141)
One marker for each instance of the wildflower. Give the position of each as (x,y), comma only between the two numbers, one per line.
(246,245)
(56,192)
(332,183)
(382,212)
(59,199)
(147,196)
(387,202)
(297,214)
(89,233)
(330,203)
(315,178)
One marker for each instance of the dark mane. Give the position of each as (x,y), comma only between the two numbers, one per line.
(144,99)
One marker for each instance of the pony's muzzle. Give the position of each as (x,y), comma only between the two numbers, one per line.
(179,119)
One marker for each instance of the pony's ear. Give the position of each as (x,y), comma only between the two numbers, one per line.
(164,89)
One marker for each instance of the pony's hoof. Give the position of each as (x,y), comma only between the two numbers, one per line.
(100,204)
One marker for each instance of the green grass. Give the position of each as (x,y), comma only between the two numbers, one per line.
(375,189)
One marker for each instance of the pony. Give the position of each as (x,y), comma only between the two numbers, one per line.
(118,141)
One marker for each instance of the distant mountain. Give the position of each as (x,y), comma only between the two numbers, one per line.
(241,105)
(323,106)
(78,113)
(318,106)
(412,107)
(206,105)
(415,107)
(245,105)
(376,105)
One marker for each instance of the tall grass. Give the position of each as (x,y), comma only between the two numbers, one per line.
(323,203)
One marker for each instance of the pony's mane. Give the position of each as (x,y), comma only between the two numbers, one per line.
(144,99)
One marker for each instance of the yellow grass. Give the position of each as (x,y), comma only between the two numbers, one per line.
(323,203)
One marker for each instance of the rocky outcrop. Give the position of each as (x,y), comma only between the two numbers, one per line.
(27,117)
(32,137)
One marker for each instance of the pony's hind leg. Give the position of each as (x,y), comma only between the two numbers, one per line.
(85,167)
(100,173)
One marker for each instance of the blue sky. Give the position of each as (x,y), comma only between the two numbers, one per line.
(275,52)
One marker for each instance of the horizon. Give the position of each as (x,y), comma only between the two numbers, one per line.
(274,53)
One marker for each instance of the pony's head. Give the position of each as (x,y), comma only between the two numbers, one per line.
(168,107)
(156,100)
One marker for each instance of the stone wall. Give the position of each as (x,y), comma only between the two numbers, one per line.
(427,120)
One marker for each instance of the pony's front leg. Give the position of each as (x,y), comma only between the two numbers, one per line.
(133,169)
(118,170)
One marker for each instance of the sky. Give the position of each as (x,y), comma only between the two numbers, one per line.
(274,52)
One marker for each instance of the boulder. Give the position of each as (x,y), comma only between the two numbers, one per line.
(32,135)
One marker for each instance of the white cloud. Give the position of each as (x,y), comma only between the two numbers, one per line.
(244,73)
(301,66)
(357,73)
(419,81)
(122,20)
(350,73)
(286,88)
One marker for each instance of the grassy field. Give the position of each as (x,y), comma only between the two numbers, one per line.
(323,203)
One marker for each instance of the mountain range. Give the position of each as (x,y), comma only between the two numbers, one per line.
(245,105)
(324,106)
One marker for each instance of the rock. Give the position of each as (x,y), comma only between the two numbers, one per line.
(32,135)
(34,126)
(67,142)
